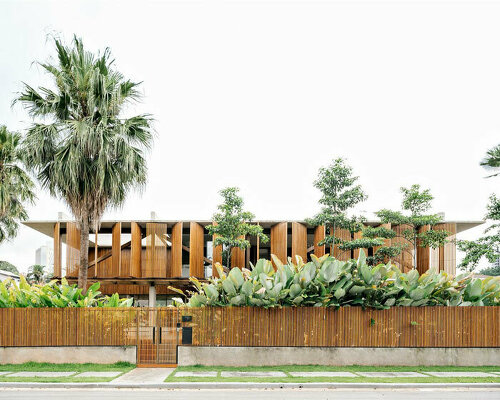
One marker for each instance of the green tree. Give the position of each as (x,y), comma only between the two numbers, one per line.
(383,252)
(231,224)
(16,187)
(492,161)
(415,204)
(339,194)
(487,246)
(82,149)
(36,274)
(7,266)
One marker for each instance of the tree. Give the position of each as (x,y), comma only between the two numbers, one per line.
(383,253)
(492,161)
(487,246)
(7,266)
(83,150)
(36,274)
(339,193)
(231,225)
(16,187)
(415,204)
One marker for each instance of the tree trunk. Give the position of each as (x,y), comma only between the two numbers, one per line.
(414,248)
(229,258)
(84,253)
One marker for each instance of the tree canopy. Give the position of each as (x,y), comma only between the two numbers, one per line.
(16,187)
(80,146)
(231,225)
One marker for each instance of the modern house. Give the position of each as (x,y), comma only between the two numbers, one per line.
(142,258)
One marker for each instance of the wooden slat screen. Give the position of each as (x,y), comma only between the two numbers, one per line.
(404,260)
(345,235)
(423,253)
(278,241)
(72,249)
(156,250)
(355,252)
(238,257)
(196,250)
(251,326)
(319,235)
(299,240)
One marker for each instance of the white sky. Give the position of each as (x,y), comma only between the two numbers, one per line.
(261,94)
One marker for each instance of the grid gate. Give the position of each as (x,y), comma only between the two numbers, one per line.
(158,337)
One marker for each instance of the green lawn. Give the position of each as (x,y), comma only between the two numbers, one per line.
(352,368)
(39,367)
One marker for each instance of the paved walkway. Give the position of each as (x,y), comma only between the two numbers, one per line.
(145,375)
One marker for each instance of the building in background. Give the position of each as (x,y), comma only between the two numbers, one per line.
(44,255)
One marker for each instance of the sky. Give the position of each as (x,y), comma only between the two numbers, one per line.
(261,94)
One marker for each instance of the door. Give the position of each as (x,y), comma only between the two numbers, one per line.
(158,337)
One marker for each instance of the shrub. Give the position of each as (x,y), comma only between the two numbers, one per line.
(328,282)
(55,295)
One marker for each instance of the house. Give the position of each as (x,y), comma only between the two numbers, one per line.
(142,258)
(8,275)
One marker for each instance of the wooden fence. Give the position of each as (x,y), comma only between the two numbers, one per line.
(247,326)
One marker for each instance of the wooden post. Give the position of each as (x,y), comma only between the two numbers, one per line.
(135,250)
(116,250)
(57,250)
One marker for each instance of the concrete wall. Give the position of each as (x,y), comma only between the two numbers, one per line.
(249,356)
(58,355)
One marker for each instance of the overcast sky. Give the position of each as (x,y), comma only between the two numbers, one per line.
(260,94)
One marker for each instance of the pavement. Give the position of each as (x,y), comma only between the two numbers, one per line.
(288,394)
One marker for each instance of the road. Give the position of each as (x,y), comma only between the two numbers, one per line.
(210,394)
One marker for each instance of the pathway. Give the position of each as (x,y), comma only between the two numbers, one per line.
(145,375)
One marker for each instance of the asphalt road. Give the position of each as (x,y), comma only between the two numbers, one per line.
(285,394)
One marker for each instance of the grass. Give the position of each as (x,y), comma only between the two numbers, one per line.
(122,367)
(351,368)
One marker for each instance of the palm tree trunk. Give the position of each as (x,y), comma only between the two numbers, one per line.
(84,253)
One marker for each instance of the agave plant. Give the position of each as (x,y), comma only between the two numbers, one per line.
(53,294)
(329,282)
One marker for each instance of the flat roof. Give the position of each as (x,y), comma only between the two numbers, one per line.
(47,226)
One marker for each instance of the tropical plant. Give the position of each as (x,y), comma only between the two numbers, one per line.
(7,266)
(83,151)
(53,294)
(492,161)
(487,246)
(415,204)
(16,187)
(339,193)
(231,225)
(36,274)
(328,282)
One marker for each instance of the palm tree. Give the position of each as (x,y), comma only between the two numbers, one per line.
(87,154)
(492,160)
(16,187)
(36,274)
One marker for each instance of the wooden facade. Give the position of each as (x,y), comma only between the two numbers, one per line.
(129,255)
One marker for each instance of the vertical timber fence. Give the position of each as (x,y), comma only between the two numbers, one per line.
(251,326)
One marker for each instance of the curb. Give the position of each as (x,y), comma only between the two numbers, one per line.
(246,385)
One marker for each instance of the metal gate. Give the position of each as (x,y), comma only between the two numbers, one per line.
(158,337)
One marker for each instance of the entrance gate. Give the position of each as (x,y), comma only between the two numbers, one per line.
(158,335)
